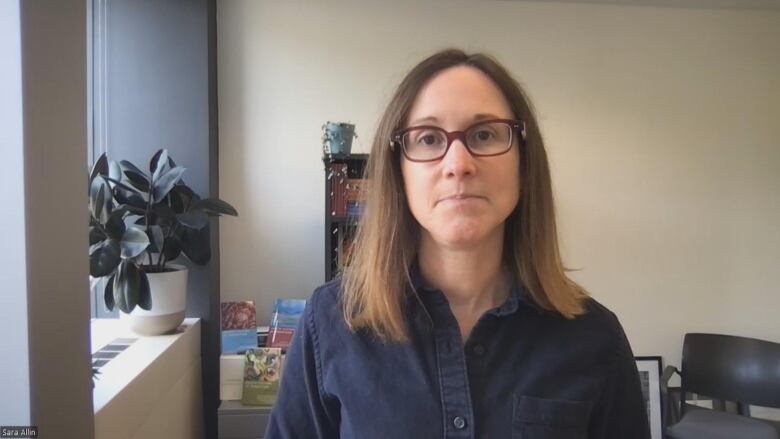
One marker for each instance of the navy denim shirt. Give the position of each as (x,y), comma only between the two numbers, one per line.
(523,373)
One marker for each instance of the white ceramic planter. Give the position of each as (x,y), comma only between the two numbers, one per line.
(169,301)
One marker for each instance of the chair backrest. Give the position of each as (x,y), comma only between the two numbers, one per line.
(732,368)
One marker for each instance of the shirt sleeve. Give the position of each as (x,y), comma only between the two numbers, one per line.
(620,412)
(302,409)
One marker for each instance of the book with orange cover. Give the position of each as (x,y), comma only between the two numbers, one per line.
(356,189)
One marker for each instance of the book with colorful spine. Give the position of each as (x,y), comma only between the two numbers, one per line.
(355,196)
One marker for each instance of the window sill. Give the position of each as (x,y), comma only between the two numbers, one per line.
(150,374)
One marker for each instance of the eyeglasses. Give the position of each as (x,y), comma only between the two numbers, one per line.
(483,139)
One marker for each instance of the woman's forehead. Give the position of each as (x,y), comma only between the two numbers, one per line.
(458,94)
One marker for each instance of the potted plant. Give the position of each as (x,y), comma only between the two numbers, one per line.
(337,137)
(139,223)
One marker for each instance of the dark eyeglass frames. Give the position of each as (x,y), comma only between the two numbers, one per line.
(485,138)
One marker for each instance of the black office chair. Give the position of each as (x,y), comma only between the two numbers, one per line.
(726,368)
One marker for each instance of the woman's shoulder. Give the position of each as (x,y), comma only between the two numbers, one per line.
(598,327)
(597,318)
(602,321)
(597,313)
(326,295)
(324,307)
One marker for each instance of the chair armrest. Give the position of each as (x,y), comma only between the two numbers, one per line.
(670,411)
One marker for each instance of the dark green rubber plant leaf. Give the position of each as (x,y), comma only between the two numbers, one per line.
(145,293)
(165,214)
(130,196)
(114,170)
(138,180)
(134,242)
(108,294)
(215,206)
(127,286)
(95,235)
(193,219)
(165,183)
(115,226)
(129,166)
(196,246)
(100,167)
(100,199)
(160,164)
(172,248)
(104,257)
(156,238)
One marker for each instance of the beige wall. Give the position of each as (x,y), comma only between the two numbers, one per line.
(661,123)
(54,117)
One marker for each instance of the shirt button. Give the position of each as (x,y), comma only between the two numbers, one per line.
(479,350)
(459,423)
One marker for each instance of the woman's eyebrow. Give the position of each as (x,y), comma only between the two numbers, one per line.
(423,120)
(484,116)
(433,119)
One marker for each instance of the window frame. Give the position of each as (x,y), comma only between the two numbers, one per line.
(97,117)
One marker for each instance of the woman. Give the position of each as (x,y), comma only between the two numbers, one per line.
(455,317)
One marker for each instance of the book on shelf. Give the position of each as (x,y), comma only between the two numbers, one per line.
(262,372)
(355,209)
(231,377)
(284,320)
(356,189)
(356,193)
(262,335)
(239,326)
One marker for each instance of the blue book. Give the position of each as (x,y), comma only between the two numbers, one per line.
(285,318)
(355,208)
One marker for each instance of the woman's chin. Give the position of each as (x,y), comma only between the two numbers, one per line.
(462,236)
(462,232)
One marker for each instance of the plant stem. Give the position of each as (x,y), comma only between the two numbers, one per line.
(162,251)
(161,261)
(148,209)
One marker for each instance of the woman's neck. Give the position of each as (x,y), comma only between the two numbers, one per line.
(473,280)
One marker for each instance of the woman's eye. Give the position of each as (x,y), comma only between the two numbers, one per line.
(428,140)
(483,135)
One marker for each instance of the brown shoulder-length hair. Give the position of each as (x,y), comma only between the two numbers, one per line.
(376,279)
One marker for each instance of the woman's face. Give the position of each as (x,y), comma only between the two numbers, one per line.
(461,200)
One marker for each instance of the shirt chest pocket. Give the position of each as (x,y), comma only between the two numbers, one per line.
(537,418)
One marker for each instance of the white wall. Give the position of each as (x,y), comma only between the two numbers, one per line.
(661,126)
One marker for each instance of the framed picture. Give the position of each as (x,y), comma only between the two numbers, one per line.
(650,377)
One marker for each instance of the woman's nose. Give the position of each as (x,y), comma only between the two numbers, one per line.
(458,161)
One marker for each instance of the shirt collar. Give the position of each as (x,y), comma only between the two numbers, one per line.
(430,296)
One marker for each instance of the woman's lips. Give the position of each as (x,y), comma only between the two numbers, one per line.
(461,199)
